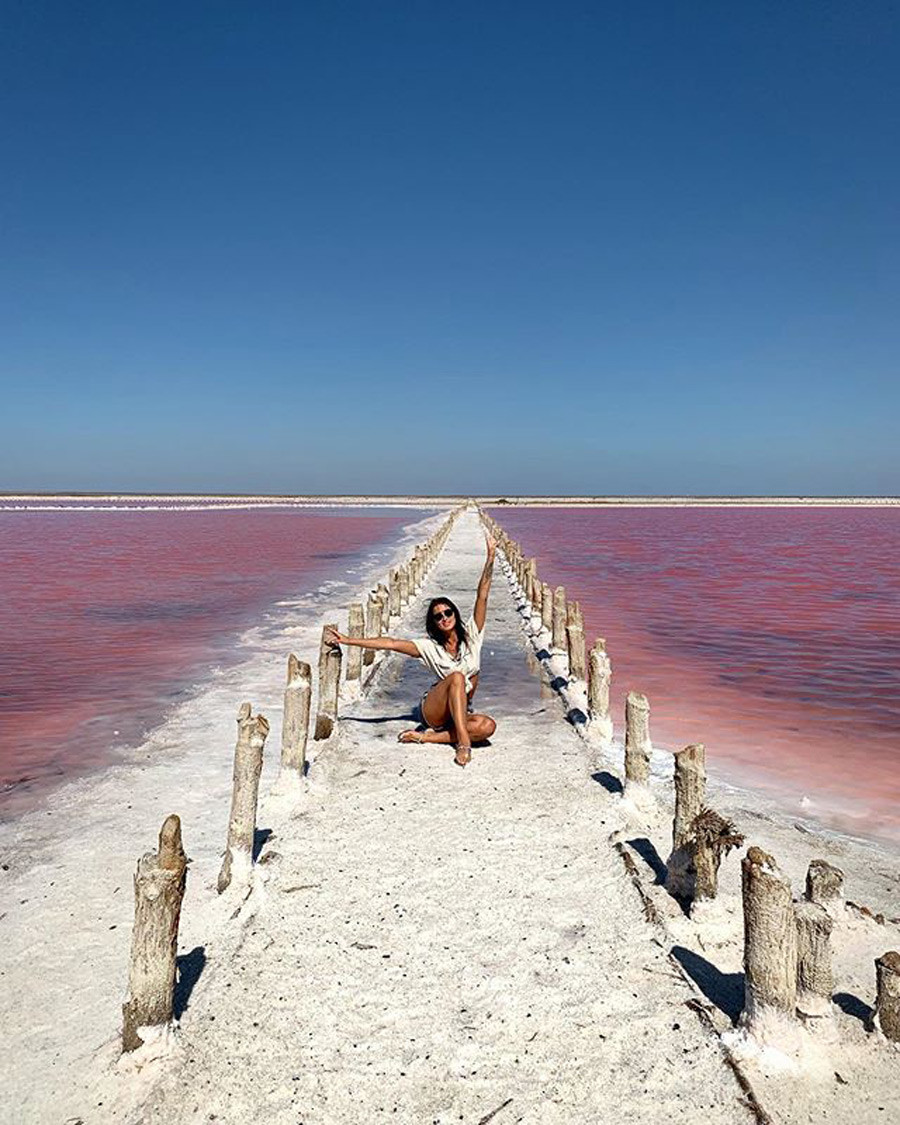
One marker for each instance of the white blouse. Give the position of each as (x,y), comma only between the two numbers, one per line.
(467,660)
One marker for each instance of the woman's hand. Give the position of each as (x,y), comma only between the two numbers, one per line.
(491,545)
(333,637)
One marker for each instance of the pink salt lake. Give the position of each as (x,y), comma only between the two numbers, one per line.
(772,635)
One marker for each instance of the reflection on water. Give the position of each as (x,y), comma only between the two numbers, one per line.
(770,634)
(106,614)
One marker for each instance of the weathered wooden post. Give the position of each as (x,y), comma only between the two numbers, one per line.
(574,615)
(546,606)
(601,727)
(374,608)
(638,747)
(385,599)
(394,586)
(770,943)
(248,759)
(535,594)
(825,885)
(404,586)
(559,619)
(329,686)
(690,795)
(356,628)
(711,838)
(295,724)
(887,1003)
(577,658)
(814,977)
(159,883)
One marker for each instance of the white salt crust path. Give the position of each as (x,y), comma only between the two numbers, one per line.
(431,944)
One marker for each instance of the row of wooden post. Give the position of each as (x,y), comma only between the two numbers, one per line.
(563,620)
(161,876)
(787,944)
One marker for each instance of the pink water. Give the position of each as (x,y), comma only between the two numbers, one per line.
(772,635)
(108,616)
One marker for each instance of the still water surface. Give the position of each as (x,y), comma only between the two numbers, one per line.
(109,615)
(772,635)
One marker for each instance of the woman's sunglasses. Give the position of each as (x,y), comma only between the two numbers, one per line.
(441,614)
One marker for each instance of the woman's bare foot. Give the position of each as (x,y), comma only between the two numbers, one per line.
(411,736)
(463,755)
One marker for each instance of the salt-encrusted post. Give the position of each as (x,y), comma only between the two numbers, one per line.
(887,1003)
(295,724)
(374,608)
(770,943)
(535,594)
(825,885)
(712,837)
(814,977)
(158,892)
(637,739)
(404,585)
(577,658)
(394,586)
(559,619)
(356,628)
(574,615)
(546,606)
(329,686)
(690,795)
(248,759)
(385,598)
(598,692)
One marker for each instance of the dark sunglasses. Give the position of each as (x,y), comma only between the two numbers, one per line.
(441,614)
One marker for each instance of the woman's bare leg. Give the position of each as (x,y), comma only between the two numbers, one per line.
(446,705)
(456,701)
(480,727)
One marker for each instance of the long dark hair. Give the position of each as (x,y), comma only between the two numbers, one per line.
(435,633)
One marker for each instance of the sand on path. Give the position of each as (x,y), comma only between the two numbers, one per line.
(434,944)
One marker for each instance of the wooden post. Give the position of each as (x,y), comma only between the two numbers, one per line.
(394,586)
(577,658)
(814,978)
(535,594)
(385,598)
(356,627)
(770,942)
(598,691)
(159,883)
(295,724)
(887,1003)
(546,606)
(825,885)
(574,615)
(711,838)
(329,686)
(559,619)
(374,608)
(404,586)
(690,795)
(248,759)
(637,738)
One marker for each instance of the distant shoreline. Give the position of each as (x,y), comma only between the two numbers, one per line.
(492,500)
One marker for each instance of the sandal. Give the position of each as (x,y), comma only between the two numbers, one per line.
(466,753)
(407,736)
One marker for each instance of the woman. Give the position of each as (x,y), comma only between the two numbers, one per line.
(452,650)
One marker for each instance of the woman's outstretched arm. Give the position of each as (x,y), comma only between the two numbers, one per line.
(484,583)
(333,637)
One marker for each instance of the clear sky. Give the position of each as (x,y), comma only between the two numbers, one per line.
(325,246)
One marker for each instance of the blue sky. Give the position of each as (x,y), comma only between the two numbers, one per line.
(512,247)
